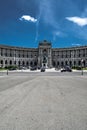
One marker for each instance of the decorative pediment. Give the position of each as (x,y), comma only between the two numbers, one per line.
(44,43)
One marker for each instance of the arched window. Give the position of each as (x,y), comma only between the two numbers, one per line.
(31,63)
(19,63)
(2,62)
(70,63)
(58,63)
(27,63)
(79,62)
(6,62)
(74,62)
(62,63)
(35,63)
(44,51)
(66,62)
(23,63)
(10,62)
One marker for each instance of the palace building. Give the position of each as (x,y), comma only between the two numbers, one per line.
(43,56)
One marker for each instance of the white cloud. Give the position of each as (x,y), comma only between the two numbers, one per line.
(79,21)
(58,34)
(47,13)
(28,18)
(76,44)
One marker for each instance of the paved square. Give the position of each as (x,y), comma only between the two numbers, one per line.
(34,102)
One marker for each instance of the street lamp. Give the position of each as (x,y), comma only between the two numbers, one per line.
(82,65)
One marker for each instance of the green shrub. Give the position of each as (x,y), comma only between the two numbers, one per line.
(77,67)
(11,67)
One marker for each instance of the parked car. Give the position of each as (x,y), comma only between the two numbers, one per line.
(22,68)
(33,68)
(12,69)
(66,69)
(38,67)
(42,69)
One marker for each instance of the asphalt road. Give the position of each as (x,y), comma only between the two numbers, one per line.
(43,102)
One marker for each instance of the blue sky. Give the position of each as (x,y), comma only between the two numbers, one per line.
(26,22)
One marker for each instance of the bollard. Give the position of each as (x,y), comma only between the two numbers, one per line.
(82,72)
(7,72)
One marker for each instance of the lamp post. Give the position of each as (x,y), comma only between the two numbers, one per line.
(82,66)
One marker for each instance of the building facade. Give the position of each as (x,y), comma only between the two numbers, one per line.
(43,56)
